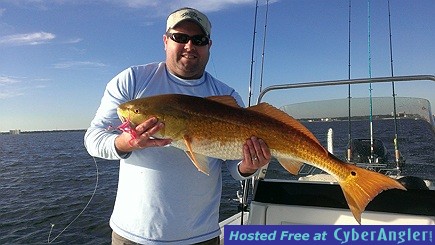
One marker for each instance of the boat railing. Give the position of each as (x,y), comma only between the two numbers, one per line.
(345,82)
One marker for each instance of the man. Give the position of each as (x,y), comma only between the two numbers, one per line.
(162,198)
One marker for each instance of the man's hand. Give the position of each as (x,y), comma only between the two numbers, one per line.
(256,154)
(125,143)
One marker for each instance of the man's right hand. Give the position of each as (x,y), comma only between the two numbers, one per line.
(125,142)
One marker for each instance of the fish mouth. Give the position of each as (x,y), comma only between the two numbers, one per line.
(120,111)
(120,116)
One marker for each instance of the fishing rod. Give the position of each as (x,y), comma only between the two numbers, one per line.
(349,149)
(370,85)
(264,46)
(262,67)
(245,186)
(396,137)
(252,54)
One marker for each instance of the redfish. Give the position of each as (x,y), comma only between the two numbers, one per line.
(218,127)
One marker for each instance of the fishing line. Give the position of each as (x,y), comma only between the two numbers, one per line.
(214,67)
(81,212)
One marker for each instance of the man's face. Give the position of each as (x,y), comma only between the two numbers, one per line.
(186,60)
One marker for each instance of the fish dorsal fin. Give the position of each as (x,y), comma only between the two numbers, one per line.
(224,99)
(271,111)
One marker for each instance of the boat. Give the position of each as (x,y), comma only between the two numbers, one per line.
(315,198)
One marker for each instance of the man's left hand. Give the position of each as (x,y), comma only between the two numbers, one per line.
(256,154)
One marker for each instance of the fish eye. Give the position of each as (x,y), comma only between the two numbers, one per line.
(136,111)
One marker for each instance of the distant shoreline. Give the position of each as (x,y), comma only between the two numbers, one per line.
(304,120)
(46,131)
(362,118)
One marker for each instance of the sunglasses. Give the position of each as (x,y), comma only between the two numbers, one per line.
(197,40)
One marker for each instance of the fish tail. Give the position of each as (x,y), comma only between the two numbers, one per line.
(362,185)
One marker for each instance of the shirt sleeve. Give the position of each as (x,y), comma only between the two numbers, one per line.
(233,168)
(100,137)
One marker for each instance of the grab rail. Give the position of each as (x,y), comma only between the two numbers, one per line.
(346,82)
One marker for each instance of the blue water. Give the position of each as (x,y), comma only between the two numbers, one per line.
(415,141)
(48,178)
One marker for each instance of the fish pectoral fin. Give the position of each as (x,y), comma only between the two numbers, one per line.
(200,161)
(291,165)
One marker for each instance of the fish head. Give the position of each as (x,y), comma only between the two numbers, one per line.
(138,111)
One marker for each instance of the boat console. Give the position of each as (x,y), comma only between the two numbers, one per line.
(300,202)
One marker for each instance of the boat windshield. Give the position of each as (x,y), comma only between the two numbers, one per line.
(325,109)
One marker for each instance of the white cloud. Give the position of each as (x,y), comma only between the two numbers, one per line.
(17,86)
(165,7)
(27,38)
(78,64)
(142,3)
(73,40)
(4,80)
(156,7)
(8,90)
(10,94)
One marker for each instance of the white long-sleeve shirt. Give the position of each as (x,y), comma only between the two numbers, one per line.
(162,198)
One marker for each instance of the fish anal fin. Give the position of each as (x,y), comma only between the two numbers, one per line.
(200,161)
(280,115)
(362,185)
(225,99)
(291,165)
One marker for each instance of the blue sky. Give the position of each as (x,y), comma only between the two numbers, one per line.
(56,56)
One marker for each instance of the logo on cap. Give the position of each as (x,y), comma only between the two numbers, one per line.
(192,15)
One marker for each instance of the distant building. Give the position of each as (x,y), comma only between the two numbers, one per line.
(15,131)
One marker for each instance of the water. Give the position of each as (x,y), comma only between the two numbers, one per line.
(48,178)
(415,140)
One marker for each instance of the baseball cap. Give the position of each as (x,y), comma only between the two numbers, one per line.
(189,14)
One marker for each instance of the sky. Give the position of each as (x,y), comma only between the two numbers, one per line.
(56,56)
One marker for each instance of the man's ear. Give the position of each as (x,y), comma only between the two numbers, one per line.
(165,40)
